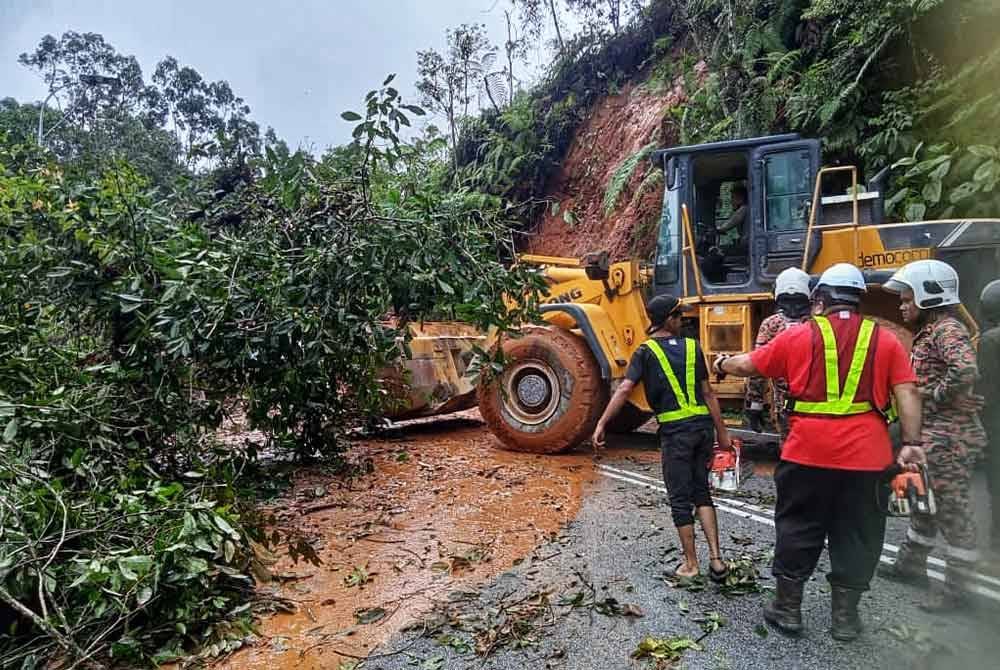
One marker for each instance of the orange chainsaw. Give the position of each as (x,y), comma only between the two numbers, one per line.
(727,469)
(910,491)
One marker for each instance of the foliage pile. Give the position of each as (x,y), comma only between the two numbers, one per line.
(132,319)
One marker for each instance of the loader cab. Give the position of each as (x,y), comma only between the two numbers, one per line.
(777,174)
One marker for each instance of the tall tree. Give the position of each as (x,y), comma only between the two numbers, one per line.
(99,107)
(532,14)
(449,83)
(439,86)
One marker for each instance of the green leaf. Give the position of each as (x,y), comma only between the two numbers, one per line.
(413,109)
(388,80)
(195,566)
(984,151)
(144,595)
(351,116)
(986,172)
(10,432)
(132,567)
(941,171)
(963,191)
(932,192)
(225,527)
(915,211)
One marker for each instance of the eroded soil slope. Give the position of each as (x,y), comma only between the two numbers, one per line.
(618,127)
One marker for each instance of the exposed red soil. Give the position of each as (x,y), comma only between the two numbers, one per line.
(452,513)
(617,127)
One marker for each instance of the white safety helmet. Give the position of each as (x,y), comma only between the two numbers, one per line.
(844,282)
(792,281)
(934,283)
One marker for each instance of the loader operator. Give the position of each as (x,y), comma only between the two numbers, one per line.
(791,295)
(952,435)
(674,375)
(737,220)
(989,388)
(842,371)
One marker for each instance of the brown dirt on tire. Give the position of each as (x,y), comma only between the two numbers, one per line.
(586,401)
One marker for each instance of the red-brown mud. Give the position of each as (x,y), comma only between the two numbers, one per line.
(443,510)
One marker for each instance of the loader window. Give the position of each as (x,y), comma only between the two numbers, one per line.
(786,191)
(721,216)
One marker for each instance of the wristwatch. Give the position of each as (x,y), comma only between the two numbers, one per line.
(719,363)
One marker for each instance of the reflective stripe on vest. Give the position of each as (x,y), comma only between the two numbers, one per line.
(687,405)
(837,403)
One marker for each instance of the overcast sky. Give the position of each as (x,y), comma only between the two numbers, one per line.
(297,63)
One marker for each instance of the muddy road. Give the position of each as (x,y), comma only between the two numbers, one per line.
(451,554)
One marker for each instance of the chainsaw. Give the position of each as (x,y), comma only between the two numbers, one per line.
(727,470)
(910,491)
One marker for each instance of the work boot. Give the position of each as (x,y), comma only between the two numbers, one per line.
(910,565)
(844,614)
(785,611)
(949,595)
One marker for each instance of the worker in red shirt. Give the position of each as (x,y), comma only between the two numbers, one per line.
(843,372)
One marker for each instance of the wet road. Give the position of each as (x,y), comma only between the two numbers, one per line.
(618,547)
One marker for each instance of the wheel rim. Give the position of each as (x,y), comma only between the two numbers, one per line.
(531,392)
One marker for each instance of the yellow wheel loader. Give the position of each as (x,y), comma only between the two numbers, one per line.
(559,375)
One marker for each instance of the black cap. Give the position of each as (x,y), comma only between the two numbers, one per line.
(660,307)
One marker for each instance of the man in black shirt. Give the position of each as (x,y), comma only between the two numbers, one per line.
(675,379)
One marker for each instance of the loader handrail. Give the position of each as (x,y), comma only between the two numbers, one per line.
(688,245)
(816,204)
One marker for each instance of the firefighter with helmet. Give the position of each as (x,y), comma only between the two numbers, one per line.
(843,371)
(791,294)
(989,388)
(952,435)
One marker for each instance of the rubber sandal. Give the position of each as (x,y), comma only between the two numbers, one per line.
(720,576)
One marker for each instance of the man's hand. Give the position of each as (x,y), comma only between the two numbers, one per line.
(910,456)
(724,440)
(598,438)
(970,403)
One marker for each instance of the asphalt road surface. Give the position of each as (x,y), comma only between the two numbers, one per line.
(585,600)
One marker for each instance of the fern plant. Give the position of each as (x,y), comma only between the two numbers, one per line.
(621,176)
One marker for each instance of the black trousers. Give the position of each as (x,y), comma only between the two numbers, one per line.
(686,456)
(819,504)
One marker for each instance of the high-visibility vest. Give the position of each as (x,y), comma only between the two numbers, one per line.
(687,404)
(840,403)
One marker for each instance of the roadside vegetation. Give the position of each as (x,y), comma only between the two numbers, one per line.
(166,266)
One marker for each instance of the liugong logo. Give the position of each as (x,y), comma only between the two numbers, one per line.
(892,259)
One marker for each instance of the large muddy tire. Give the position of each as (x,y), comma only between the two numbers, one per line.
(628,419)
(549,396)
